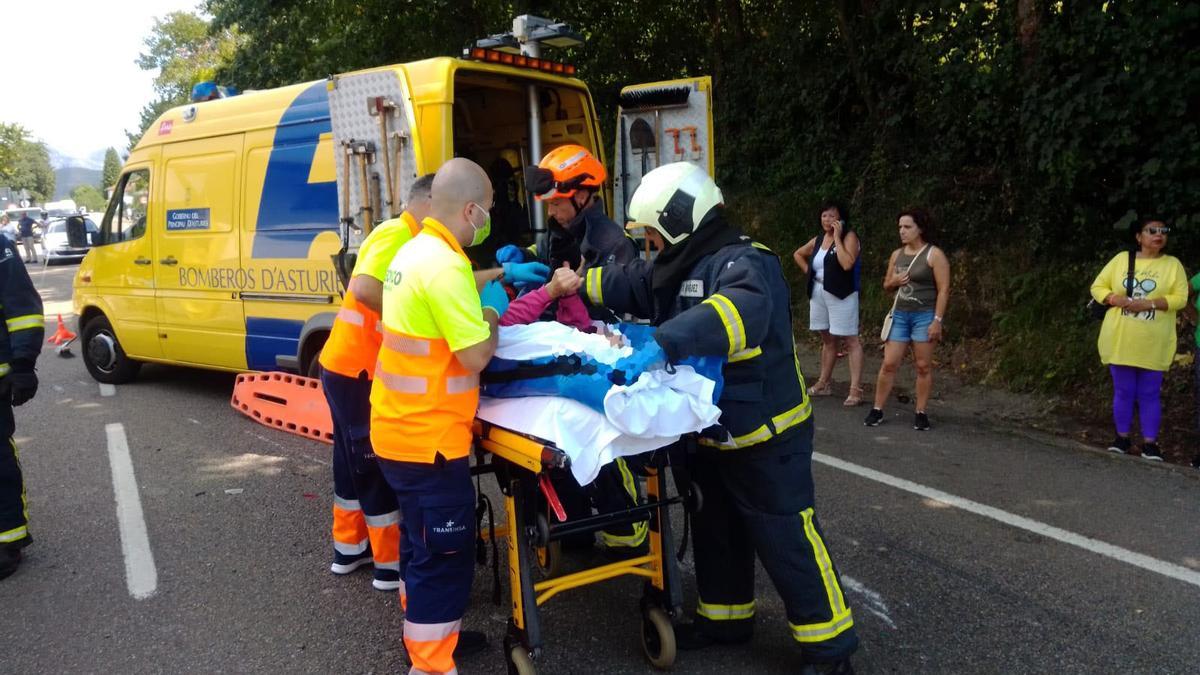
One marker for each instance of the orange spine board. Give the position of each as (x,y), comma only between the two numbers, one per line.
(286,402)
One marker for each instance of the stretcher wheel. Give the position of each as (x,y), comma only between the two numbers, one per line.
(658,638)
(519,662)
(549,559)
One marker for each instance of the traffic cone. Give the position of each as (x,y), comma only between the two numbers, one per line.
(61,335)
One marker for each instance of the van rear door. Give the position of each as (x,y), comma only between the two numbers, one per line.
(198,271)
(660,123)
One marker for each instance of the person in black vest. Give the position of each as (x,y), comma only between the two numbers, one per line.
(25,230)
(832,260)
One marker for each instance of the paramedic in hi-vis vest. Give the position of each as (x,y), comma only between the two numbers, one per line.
(568,181)
(20,341)
(438,333)
(365,516)
(712,291)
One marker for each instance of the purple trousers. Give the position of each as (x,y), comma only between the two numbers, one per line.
(1137,385)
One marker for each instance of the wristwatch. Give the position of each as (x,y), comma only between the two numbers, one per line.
(937,318)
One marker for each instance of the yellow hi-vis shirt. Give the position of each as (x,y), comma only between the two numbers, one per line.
(1146,339)
(423,401)
(377,250)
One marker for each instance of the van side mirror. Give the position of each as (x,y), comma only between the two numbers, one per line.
(77,236)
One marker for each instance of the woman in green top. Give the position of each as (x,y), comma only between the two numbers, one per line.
(1195,282)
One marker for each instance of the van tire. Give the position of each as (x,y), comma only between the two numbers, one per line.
(103,355)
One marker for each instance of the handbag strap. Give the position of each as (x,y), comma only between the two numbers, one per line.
(896,297)
(1129,276)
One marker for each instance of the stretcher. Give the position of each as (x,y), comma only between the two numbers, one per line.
(534,525)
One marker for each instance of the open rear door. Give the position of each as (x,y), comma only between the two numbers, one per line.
(660,123)
(374,153)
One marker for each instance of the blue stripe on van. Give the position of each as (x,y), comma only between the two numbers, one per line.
(293,211)
(267,339)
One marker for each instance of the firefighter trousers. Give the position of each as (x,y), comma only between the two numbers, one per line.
(14,513)
(366,519)
(438,504)
(759,500)
(616,488)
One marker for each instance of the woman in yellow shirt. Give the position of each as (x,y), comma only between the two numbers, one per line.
(1137,339)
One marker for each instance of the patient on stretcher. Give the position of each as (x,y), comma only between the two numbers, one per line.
(562,287)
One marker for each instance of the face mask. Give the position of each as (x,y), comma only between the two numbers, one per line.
(482,232)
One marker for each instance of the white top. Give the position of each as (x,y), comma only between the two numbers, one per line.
(818,264)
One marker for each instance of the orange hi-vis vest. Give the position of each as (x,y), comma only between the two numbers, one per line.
(353,343)
(423,400)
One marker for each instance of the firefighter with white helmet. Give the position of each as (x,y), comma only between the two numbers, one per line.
(713,291)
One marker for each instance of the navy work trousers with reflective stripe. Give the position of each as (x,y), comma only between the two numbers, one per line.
(356,473)
(437,504)
(759,500)
(13,514)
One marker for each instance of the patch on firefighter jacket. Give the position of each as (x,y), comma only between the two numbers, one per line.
(692,288)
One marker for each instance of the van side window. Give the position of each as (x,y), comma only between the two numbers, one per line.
(125,219)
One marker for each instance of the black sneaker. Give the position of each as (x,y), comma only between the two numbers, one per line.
(10,559)
(1196,461)
(470,642)
(1121,445)
(921,422)
(1151,452)
(873,418)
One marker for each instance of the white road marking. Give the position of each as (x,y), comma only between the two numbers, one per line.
(1124,555)
(140,574)
(872,601)
(107,389)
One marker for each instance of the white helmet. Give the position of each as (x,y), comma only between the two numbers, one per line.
(674,199)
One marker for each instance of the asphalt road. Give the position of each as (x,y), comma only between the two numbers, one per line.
(1099,573)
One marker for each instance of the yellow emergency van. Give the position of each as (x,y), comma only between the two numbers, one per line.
(226,241)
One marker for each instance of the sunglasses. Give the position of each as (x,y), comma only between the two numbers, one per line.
(1157,230)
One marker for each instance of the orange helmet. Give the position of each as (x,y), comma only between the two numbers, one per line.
(563,171)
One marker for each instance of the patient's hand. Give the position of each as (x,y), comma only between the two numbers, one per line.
(614,339)
(564,282)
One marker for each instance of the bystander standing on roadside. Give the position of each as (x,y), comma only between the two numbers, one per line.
(1195,283)
(25,231)
(1137,342)
(833,260)
(919,272)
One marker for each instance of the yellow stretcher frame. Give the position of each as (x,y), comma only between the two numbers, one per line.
(519,461)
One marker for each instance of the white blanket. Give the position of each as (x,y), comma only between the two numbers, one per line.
(650,413)
(588,438)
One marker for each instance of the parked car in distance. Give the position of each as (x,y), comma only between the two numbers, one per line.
(58,247)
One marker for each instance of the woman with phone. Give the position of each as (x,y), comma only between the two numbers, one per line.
(832,261)
(919,273)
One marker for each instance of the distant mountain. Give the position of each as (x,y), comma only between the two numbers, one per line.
(70,177)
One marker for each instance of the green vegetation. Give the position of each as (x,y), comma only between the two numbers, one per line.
(184,49)
(25,163)
(88,196)
(1031,128)
(111,171)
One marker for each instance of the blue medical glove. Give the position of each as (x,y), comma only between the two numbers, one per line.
(493,296)
(509,253)
(526,273)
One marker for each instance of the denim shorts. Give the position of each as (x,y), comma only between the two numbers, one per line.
(911,326)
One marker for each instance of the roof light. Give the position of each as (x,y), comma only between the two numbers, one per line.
(519,61)
(207,91)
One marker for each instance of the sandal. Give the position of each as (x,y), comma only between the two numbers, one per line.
(855,397)
(821,389)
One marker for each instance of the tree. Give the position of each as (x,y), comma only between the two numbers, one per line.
(25,163)
(111,171)
(184,51)
(88,196)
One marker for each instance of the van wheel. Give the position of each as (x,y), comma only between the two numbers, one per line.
(103,355)
(314,367)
